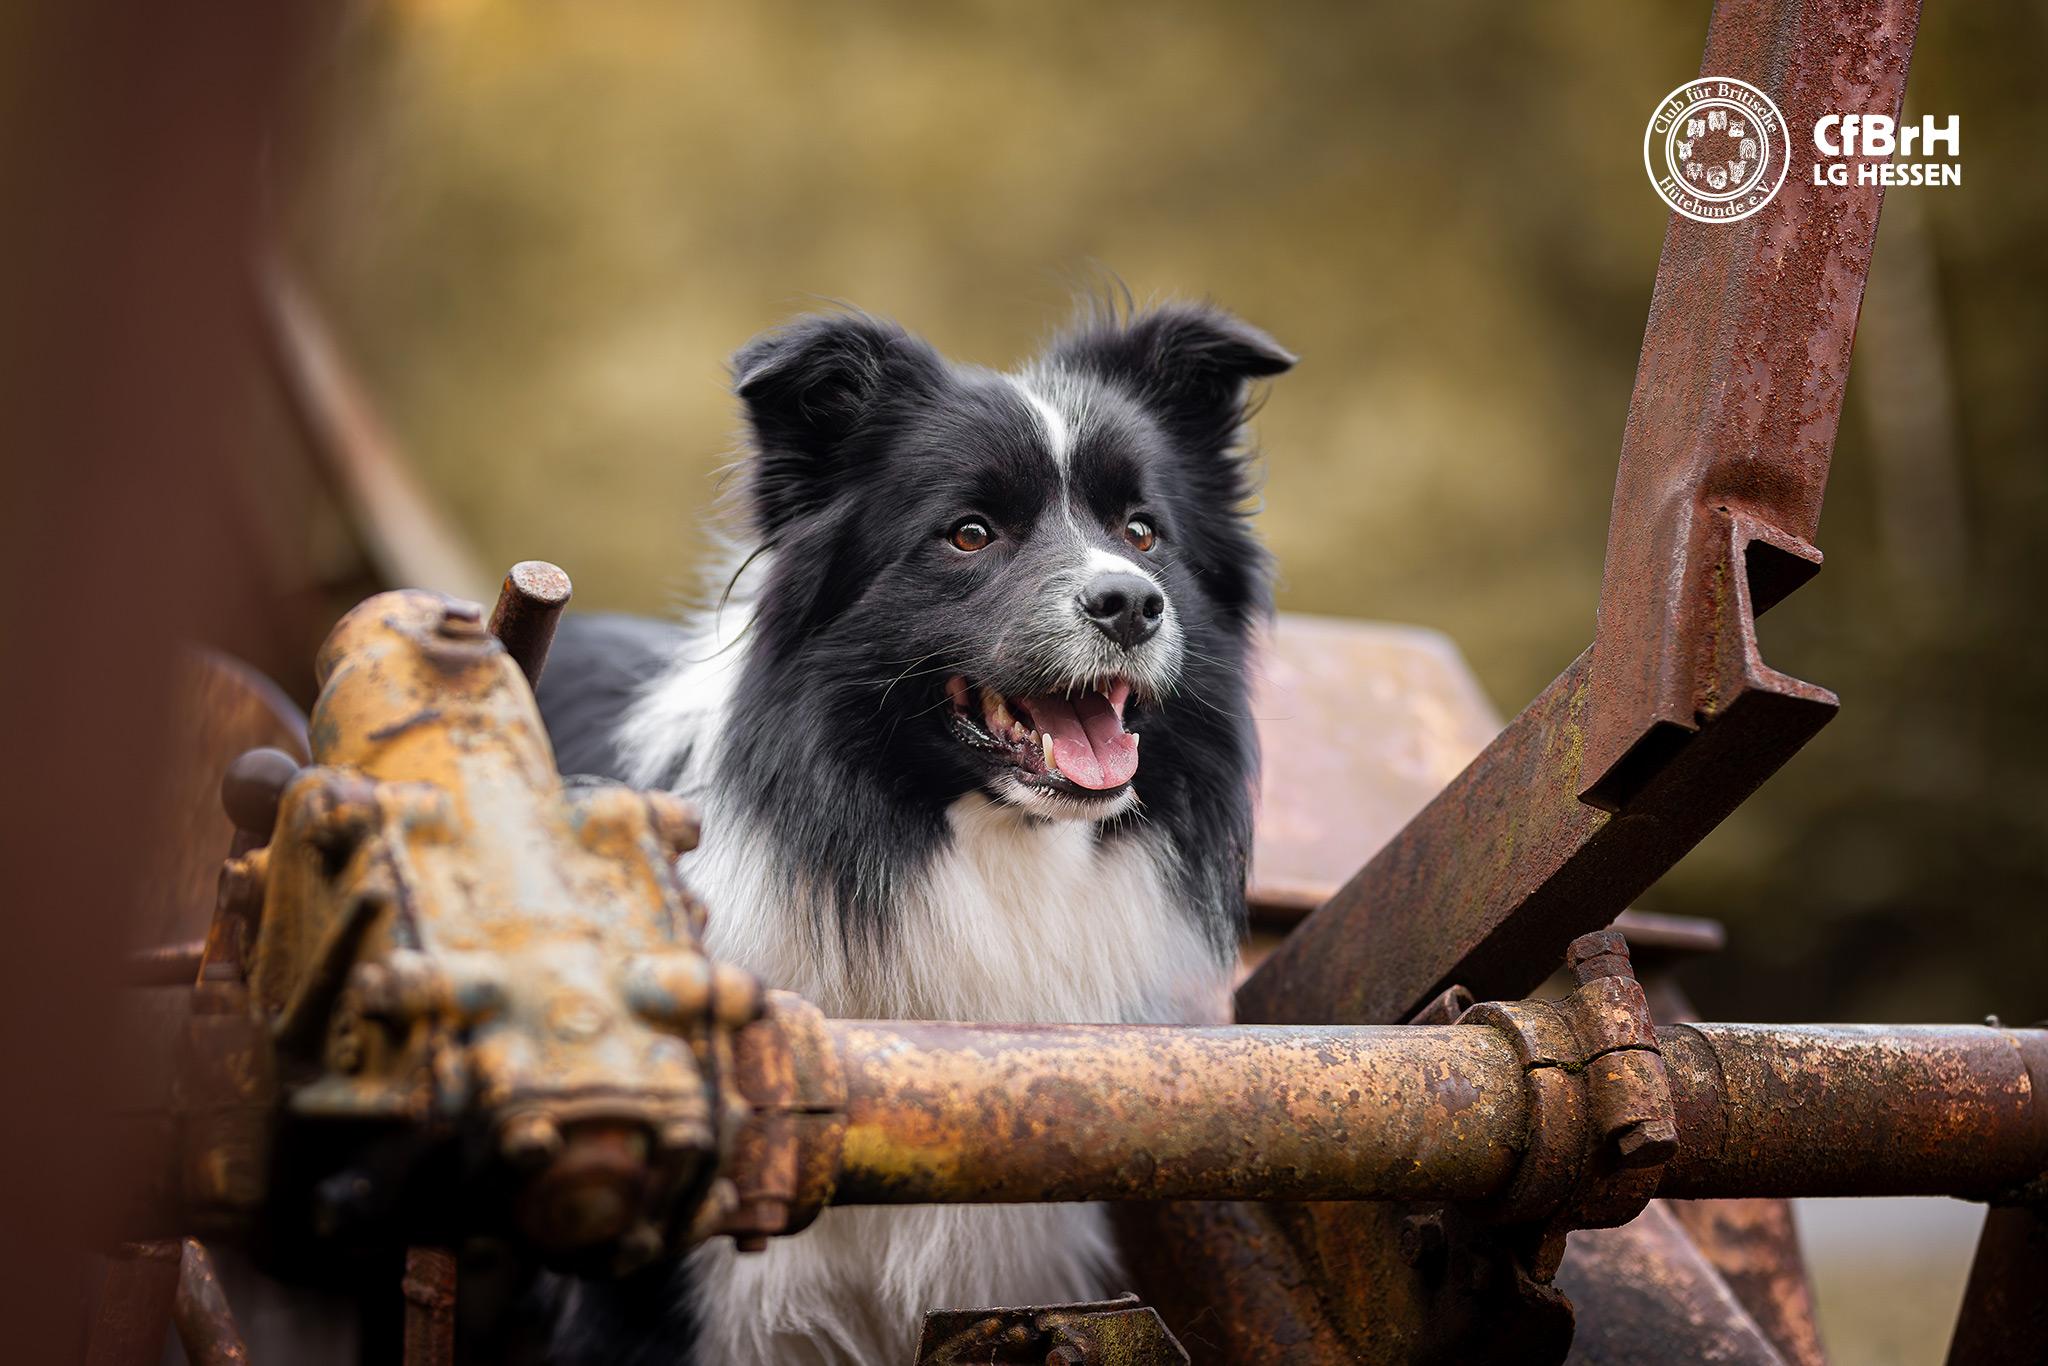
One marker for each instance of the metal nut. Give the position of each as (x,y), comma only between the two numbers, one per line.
(1646,1143)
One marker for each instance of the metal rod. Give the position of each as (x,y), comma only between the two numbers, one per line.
(968,1114)
(1815,1110)
(429,1306)
(164,965)
(530,603)
(947,1113)
(206,1325)
(2004,1318)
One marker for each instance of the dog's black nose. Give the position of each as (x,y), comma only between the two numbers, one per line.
(1124,607)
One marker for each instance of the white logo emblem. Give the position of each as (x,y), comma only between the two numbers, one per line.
(1717,149)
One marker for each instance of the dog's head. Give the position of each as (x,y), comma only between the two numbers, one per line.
(1006,582)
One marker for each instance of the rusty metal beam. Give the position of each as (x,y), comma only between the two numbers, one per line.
(1644,1293)
(1754,1247)
(405,536)
(205,1322)
(2004,1319)
(1731,426)
(1671,719)
(429,1289)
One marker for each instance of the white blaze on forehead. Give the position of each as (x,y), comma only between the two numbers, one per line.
(1059,434)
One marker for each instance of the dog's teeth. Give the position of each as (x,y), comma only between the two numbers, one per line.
(1045,739)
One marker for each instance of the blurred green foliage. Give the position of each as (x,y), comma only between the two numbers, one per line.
(543,227)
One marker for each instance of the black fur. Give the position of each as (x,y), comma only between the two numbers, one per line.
(869,449)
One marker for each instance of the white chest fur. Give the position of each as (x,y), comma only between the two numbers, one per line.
(1018,920)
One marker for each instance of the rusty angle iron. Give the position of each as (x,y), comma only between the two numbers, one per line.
(1671,719)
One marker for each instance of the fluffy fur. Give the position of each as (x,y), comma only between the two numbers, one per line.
(886,829)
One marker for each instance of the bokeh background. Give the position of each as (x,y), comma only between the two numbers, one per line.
(539,230)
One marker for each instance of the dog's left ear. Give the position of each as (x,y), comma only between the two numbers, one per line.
(1189,363)
(811,390)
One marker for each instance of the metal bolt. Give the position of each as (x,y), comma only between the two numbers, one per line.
(1604,953)
(461,620)
(669,988)
(1646,1143)
(530,603)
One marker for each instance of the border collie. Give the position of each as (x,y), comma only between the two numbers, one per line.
(913,728)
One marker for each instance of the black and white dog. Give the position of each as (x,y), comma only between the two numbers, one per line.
(913,728)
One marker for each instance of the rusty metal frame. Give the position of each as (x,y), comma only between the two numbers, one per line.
(1476,1141)
(1671,719)
(363,975)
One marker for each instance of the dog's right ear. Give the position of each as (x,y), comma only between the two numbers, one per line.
(812,391)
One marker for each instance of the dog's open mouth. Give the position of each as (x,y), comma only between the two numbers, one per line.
(1068,742)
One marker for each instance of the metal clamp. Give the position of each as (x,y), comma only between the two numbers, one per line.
(1601,1123)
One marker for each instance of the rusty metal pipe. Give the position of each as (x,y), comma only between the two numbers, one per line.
(950,1113)
(1817,1110)
(204,1320)
(939,1112)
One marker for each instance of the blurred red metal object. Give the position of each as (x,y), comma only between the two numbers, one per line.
(135,150)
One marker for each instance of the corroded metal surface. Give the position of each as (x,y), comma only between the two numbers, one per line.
(530,603)
(1732,423)
(1360,724)
(1806,1110)
(408,979)
(2004,1319)
(977,1114)
(1755,1248)
(1752,1243)
(434,938)
(429,1289)
(1120,1332)
(1509,862)
(205,1323)
(1645,1294)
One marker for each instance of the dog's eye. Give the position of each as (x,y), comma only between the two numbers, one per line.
(1140,534)
(971,536)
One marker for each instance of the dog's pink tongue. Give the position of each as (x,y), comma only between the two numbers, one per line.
(1089,742)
